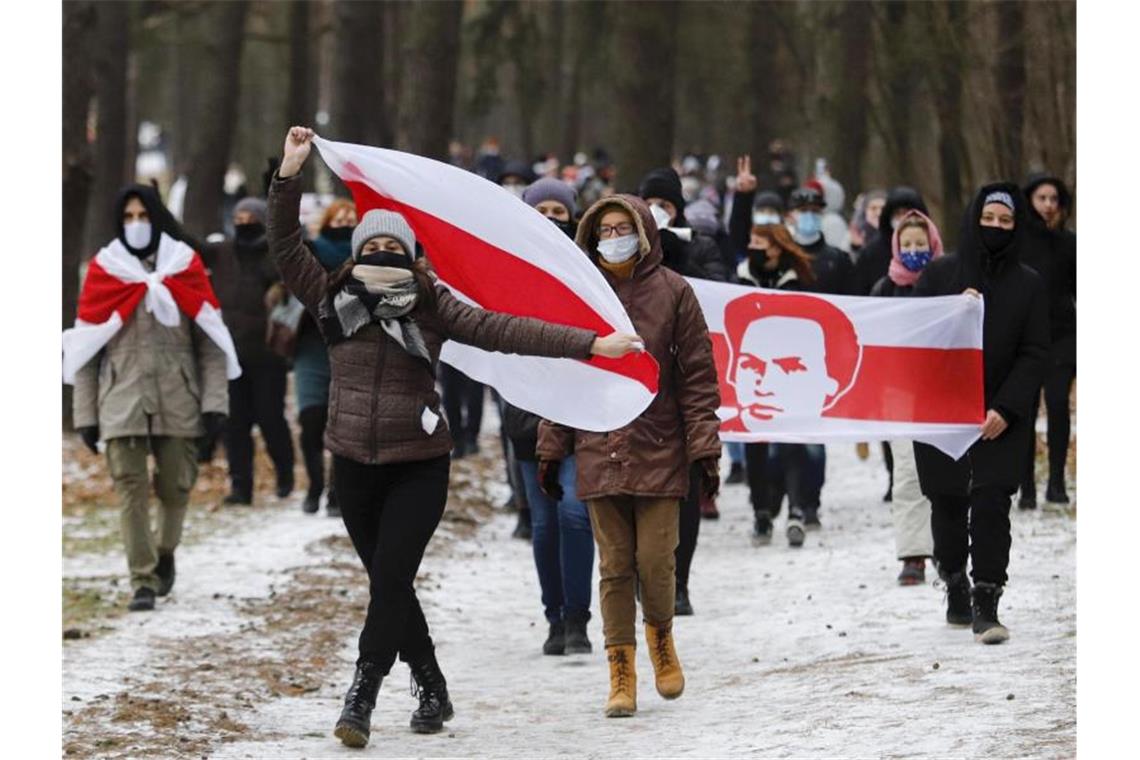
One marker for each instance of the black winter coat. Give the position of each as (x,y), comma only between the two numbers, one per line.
(834,272)
(875,257)
(241,277)
(699,257)
(1053,255)
(1015,340)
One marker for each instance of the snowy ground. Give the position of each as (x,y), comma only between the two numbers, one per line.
(812,652)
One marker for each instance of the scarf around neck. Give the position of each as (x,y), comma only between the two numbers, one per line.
(382,295)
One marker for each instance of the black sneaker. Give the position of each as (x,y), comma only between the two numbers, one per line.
(1028,499)
(142,601)
(430,686)
(761,529)
(556,640)
(238,498)
(811,518)
(311,504)
(735,474)
(165,573)
(577,642)
(987,628)
(958,608)
(795,529)
(681,604)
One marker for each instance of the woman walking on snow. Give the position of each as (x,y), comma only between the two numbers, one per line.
(385,319)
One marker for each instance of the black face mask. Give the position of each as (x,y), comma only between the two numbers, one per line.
(995,239)
(338,234)
(385,259)
(570,228)
(249,234)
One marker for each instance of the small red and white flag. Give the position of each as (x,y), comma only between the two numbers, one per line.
(115,285)
(496,252)
(813,368)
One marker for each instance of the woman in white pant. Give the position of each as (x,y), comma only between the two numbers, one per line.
(914,244)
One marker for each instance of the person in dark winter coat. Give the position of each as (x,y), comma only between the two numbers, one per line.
(703,218)
(244,279)
(875,258)
(1051,251)
(865,219)
(750,208)
(385,318)
(970,498)
(311,373)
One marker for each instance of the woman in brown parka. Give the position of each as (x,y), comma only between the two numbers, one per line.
(384,319)
(633,479)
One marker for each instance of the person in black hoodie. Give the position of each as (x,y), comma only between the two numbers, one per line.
(875,258)
(970,498)
(1051,250)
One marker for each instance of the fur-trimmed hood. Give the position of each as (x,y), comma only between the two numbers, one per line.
(649,250)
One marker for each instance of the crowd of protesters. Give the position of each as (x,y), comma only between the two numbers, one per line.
(356,313)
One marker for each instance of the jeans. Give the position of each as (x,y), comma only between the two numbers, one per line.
(563,543)
(735,452)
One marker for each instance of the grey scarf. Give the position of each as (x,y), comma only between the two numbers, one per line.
(384,295)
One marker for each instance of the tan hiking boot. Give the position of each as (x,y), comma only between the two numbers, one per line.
(623,681)
(666,666)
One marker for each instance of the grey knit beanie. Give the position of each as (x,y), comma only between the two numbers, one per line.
(380,222)
(551,189)
(255,206)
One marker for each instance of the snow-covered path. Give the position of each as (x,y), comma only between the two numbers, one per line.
(812,652)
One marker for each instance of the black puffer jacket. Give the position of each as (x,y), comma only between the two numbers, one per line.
(241,276)
(1053,255)
(834,273)
(1015,341)
(875,258)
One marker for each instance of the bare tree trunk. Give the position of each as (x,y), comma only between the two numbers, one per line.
(951,54)
(582,20)
(762,70)
(897,84)
(299,107)
(77,90)
(357,104)
(217,117)
(1009,125)
(849,117)
(431,61)
(645,45)
(111,42)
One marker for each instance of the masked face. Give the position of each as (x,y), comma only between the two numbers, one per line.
(766,216)
(618,249)
(914,249)
(809,223)
(136,224)
(514,187)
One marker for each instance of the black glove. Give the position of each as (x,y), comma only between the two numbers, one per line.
(548,478)
(215,423)
(710,475)
(90,436)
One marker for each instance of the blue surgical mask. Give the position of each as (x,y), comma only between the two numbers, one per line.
(915,261)
(765,217)
(808,224)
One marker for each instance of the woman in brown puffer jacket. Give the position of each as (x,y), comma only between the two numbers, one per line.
(633,479)
(385,319)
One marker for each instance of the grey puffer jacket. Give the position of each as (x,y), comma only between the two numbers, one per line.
(383,406)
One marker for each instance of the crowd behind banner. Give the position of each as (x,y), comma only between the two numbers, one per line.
(350,305)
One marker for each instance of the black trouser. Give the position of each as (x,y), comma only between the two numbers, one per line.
(974,526)
(690,516)
(1058,383)
(769,479)
(313,420)
(391,512)
(462,403)
(889,461)
(258,397)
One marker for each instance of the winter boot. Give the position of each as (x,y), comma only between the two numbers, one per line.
(238,498)
(681,603)
(284,485)
(761,529)
(522,529)
(795,529)
(332,506)
(913,571)
(556,640)
(142,601)
(663,655)
(708,508)
(576,640)
(165,572)
(1055,491)
(623,681)
(958,610)
(355,722)
(311,504)
(987,628)
(1028,498)
(811,518)
(429,684)
(735,474)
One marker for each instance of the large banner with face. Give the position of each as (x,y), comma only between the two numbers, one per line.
(809,368)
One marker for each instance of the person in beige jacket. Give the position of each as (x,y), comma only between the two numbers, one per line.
(151,390)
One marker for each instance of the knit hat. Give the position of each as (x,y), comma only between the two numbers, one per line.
(551,189)
(380,222)
(255,206)
(768,199)
(665,184)
(997,196)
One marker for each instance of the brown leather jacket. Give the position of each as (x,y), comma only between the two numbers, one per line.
(379,392)
(651,455)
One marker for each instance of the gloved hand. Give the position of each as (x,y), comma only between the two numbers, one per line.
(215,423)
(710,471)
(548,478)
(90,436)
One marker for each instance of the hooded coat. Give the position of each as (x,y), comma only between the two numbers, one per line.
(1053,255)
(888,288)
(1015,340)
(875,257)
(651,455)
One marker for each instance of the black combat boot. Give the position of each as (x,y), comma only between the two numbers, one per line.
(577,642)
(165,572)
(987,628)
(761,528)
(142,601)
(556,640)
(958,610)
(355,722)
(681,603)
(430,686)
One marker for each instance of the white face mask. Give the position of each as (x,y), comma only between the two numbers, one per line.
(619,249)
(516,190)
(137,234)
(660,215)
(765,217)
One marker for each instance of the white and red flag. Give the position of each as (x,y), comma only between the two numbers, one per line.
(115,285)
(812,368)
(494,251)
